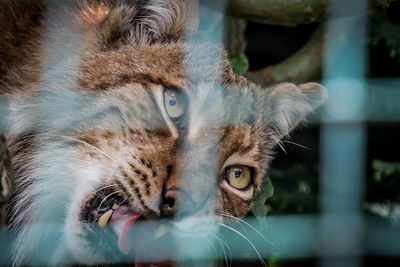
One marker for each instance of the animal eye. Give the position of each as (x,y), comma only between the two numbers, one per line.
(238,176)
(174,102)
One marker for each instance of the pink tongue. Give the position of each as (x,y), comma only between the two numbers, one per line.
(122,221)
(124,218)
(124,242)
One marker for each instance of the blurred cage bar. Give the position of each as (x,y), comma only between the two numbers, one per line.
(341,235)
(343,136)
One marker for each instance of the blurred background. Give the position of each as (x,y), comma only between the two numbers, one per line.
(276,41)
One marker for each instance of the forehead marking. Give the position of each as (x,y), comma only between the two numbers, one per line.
(205,98)
(246,149)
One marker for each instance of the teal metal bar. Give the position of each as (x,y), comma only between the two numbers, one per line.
(343,137)
(210,32)
(381,102)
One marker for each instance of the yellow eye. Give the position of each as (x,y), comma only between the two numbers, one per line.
(238,176)
(174,103)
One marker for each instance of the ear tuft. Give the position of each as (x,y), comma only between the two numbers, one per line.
(140,21)
(92,13)
(288,104)
(170,20)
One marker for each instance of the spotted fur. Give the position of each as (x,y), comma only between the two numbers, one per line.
(92,122)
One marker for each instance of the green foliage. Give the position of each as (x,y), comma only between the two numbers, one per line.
(386,30)
(240,63)
(274,260)
(385,199)
(383,169)
(295,189)
(259,208)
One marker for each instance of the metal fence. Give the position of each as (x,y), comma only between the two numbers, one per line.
(340,235)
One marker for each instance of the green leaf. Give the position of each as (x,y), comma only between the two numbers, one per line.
(392,53)
(259,208)
(384,169)
(374,41)
(240,63)
(378,176)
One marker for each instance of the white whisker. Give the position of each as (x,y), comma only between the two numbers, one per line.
(221,244)
(296,144)
(80,141)
(212,246)
(249,225)
(104,187)
(102,201)
(279,143)
(123,200)
(244,237)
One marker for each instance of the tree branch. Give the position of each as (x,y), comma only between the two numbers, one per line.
(278,12)
(382,3)
(235,41)
(288,12)
(305,65)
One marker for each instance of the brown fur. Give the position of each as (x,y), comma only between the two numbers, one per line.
(127,55)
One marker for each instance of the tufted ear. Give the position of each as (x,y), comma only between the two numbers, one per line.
(288,104)
(139,21)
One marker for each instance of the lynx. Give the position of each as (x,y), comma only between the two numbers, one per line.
(116,115)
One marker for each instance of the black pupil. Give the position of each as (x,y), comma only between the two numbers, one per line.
(238,173)
(172,100)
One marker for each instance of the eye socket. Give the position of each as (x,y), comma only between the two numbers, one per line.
(238,176)
(174,102)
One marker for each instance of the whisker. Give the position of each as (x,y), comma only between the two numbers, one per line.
(123,200)
(296,144)
(212,246)
(89,145)
(113,193)
(80,141)
(240,223)
(104,187)
(108,202)
(244,237)
(226,244)
(222,241)
(221,244)
(279,143)
(249,225)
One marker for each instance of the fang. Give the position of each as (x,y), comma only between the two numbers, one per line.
(103,220)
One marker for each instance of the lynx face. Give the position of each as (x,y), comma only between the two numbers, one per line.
(156,128)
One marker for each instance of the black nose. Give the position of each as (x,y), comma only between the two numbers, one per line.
(177,203)
(170,202)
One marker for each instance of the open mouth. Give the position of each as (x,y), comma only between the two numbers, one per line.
(124,234)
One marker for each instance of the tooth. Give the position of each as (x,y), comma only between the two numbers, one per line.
(103,220)
(162,230)
(115,206)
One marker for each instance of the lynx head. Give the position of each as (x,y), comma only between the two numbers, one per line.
(161,128)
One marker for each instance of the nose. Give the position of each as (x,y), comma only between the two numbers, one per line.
(170,202)
(177,203)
